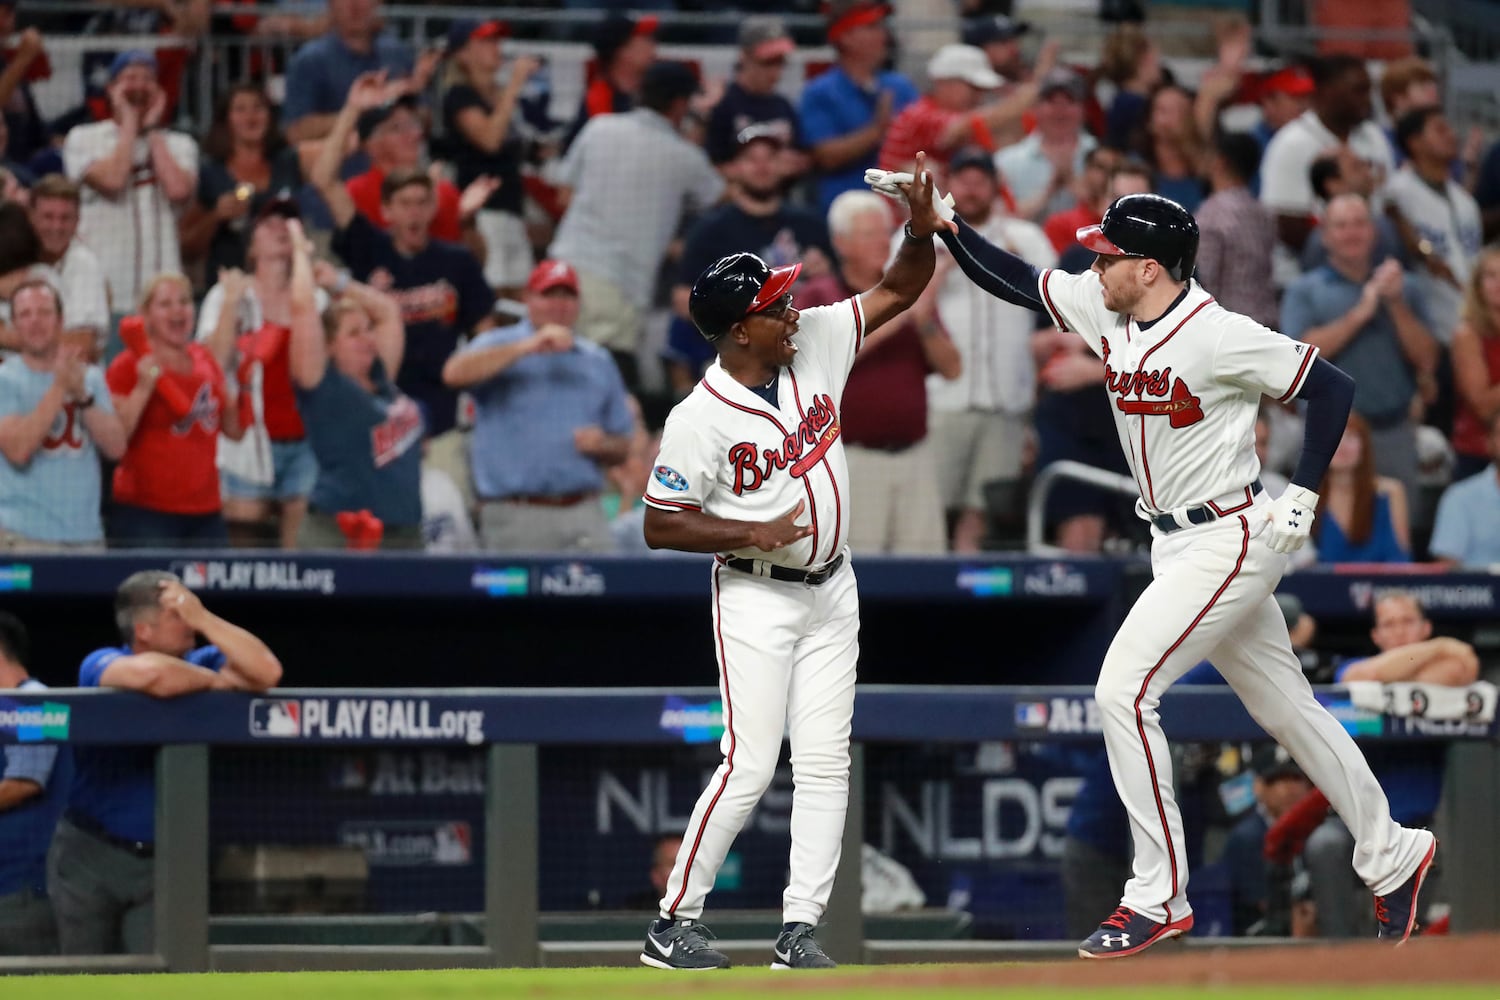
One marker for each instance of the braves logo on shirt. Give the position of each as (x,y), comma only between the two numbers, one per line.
(401,429)
(204,412)
(816,433)
(66,432)
(1181,407)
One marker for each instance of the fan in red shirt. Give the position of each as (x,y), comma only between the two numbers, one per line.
(171,397)
(959,108)
(392,135)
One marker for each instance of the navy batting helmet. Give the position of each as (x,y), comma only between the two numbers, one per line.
(1147,225)
(732,288)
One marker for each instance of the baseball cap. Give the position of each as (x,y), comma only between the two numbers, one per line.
(845,15)
(1061,80)
(966,63)
(1272,761)
(550,274)
(971,156)
(617,29)
(372,119)
(460,32)
(129,58)
(772,132)
(999,28)
(765,37)
(281,202)
(1293,81)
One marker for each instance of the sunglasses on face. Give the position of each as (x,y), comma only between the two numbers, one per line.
(778,310)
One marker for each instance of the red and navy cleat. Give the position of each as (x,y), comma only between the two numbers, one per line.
(1396,912)
(1127,933)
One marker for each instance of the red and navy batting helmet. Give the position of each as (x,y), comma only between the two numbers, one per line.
(1147,225)
(732,288)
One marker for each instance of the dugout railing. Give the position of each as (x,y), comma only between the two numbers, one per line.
(512,724)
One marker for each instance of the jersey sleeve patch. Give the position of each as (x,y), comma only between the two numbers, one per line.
(671,478)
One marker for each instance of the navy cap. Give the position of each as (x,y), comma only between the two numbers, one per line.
(617,29)
(372,119)
(460,32)
(971,156)
(998,28)
(129,58)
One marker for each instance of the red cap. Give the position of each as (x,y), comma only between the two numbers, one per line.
(550,274)
(491,29)
(776,285)
(646,24)
(857,17)
(1093,238)
(1294,81)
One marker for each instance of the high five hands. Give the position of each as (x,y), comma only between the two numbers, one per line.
(930,213)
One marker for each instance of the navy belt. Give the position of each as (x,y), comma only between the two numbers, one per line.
(92,827)
(786,574)
(1201,514)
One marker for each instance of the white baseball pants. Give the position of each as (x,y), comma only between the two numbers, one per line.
(1211,599)
(787,655)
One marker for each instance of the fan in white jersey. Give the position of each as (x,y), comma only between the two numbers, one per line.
(752,468)
(1185,377)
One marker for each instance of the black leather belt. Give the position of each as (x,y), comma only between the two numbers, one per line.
(812,578)
(95,829)
(1201,514)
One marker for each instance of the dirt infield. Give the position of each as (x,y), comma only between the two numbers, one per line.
(1472,959)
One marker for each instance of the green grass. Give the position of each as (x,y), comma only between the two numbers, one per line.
(740,984)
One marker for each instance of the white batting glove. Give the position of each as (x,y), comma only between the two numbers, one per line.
(886,182)
(1291,517)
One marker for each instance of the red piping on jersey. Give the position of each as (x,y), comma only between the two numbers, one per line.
(859,328)
(680,505)
(1047,298)
(1235,509)
(1140,722)
(812,504)
(838,506)
(687,869)
(1141,366)
(1312,352)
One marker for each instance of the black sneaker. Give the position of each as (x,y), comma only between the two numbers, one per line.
(1396,913)
(798,949)
(682,947)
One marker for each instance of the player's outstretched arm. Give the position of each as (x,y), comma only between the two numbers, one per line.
(997,271)
(695,531)
(909,273)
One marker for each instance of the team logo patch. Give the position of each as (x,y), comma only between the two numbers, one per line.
(671,479)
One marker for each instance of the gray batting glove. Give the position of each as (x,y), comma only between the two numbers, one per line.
(1291,517)
(887,182)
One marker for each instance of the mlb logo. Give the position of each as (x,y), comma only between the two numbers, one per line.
(1031,714)
(194,574)
(275,718)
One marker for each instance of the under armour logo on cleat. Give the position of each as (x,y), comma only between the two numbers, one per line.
(1115,940)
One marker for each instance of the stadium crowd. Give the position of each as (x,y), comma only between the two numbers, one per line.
(406,306)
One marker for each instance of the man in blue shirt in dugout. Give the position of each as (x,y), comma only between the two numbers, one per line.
(551,415)
(34,782)
(100,870)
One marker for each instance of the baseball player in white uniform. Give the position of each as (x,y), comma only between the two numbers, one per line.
(752,469)
(1186,377)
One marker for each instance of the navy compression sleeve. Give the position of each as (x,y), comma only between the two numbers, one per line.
(1002,274)
(1329,393)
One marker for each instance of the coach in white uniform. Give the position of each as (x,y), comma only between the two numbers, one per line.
(752,468)
(1185,377)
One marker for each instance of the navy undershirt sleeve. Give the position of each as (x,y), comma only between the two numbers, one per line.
(1329,394)
(997,271)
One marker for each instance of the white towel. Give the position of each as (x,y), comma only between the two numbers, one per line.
(1475,703)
